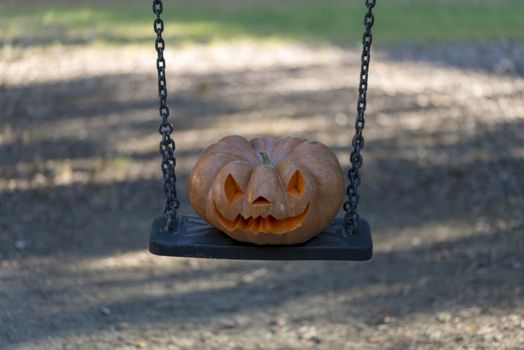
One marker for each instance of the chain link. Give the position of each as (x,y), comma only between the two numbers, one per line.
(350,206)
(167,145)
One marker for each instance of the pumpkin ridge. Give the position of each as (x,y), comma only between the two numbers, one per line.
(328,156)
(281,144)
(251,158)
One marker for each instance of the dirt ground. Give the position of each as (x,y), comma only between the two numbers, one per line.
(443,189)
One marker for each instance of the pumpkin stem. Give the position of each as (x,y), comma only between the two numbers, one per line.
(265,158)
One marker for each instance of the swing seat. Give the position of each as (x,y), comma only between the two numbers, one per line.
(193,237)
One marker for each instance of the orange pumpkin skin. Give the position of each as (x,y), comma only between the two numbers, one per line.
(267,191)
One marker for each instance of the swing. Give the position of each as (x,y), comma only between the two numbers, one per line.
(347,238)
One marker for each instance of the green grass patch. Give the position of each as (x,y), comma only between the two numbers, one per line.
(308,21)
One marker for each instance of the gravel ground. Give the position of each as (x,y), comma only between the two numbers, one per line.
(443,189)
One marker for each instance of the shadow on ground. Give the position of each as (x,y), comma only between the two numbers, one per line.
(445,211)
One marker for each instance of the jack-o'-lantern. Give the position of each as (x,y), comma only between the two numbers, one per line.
(267,191)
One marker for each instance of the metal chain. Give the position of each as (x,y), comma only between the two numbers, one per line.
(350,206)
(167,145)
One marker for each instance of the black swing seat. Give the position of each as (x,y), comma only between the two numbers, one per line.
(193,237)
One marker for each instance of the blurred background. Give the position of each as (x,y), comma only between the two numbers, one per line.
(80,180)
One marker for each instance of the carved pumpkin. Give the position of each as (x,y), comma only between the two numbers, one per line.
(267,191)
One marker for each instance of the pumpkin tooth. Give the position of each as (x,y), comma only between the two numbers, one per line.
(239,222)
(255,225)
(267,226)
(261,224)
(252,223)
(271,222)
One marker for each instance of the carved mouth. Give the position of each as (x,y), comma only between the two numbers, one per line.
(263,224)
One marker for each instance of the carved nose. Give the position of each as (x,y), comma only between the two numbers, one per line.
(265,193)
(260,200)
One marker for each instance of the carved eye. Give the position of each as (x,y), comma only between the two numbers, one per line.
(233,189)
(297,184)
